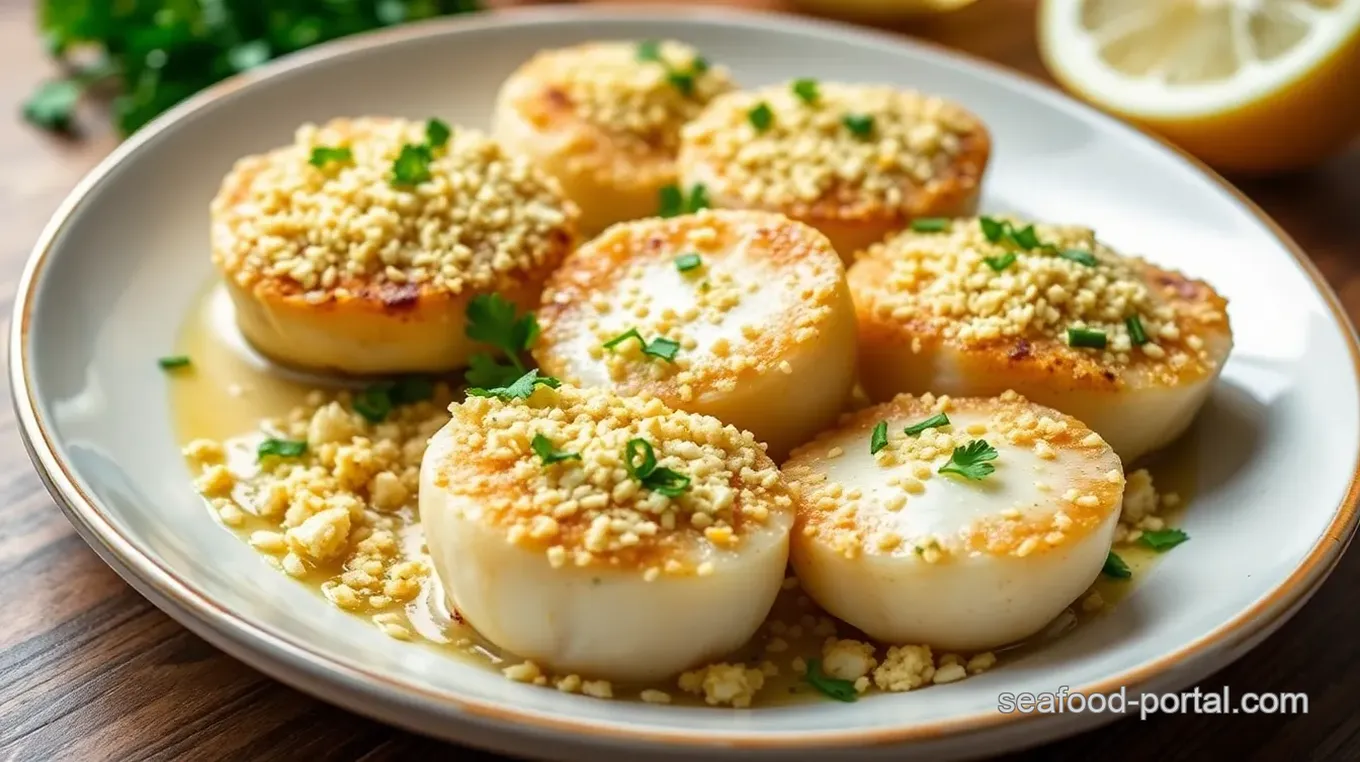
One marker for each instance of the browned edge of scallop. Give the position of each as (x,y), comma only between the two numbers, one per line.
(89,520)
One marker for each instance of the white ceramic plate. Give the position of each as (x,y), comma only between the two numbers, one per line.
(111,280)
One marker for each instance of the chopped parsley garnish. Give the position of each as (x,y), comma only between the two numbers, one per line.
(1000,263)
(672,201)
(1086,337)
(930,225)
(993,229)
(761,117)
(1115,568)
(649,50)
(664,480)
(377,401)
(972,461)
(281,448)
(686,262)
(437,133)
(933,422)
(1164,539)
(836,688)
(1137,335)
(1025,238)
(543,448)
(412,165)
(1080,256)
(859,125)
(520,389)
(323,155)
(658,347)
(806,90)
(53,104)
(682,81)
(173,362)
(491,319)
(879,439)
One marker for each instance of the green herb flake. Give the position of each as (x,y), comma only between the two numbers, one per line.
(173,362)
(281,448)
(1025,238)
(543,448)
(53,105)
(1080,256)
(323,155)
(840,690)
(374,403)
(522,388)
(649,50)
(437,133)
(491,319)
(1115,568)
(699,65)
(682,81)
(859,125)
(1137,335)
(879,439)
(639,458)
(412,165)
(1086,338)
(806,90)
(760,117)
(972,461)
(1000,263)
(934,422)
(1164,539)
(930,225)
(686,262)
(698,198)
(663,348)
(994,230)
(670,201)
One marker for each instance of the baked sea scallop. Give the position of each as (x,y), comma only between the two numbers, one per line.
(979,306)
(358,247)
(604,118)
(854,161)
(965,524)
(572,526)
(741,315)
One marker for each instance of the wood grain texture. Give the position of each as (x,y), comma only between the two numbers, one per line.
(89,670)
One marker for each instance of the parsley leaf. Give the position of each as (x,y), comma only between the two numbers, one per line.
(437,133)
(682,81)
(687,262)
(859,125)
(412,165)
(760,116)
(1026,238)
(543,448)
(649,50)
(657,479)
(323,155)
(491,319)
(879,439)
(933,422)
(659,347)
(1079,256)
(53,105)
(485,371)
(972,461)
(520,389)
(1115,568)
(1000,263)
(992,229)
(378,400)
(670,201)
(1163,540)
(698,198)
(281,448)
(930,224)
(841,690)
(173,362)
(806,90)
(374,403)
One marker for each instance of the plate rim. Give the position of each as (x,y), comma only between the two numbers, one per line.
(89,519)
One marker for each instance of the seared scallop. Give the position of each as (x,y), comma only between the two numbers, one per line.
(358,248)
(744,316)
(570,527)
(963,524)
(985,305)
(854,161)
(604,118)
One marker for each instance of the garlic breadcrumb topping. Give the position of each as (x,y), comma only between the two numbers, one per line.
(807,155)
(618,88)
(481,218)
(591,509)
(958,286)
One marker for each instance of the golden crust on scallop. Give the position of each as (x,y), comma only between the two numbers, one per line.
(920,156)
(790,254)
(1093,481)
(593,509)
(611,109)
(922,292)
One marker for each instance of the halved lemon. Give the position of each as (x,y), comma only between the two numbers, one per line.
(1245,85)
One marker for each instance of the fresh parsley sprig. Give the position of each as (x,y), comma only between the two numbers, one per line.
(972,461)
(492,319)
(520,389)
(640,459)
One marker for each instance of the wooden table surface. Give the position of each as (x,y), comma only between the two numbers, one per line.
(90,670)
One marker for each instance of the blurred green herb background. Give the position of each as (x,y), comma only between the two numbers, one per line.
(151,54)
